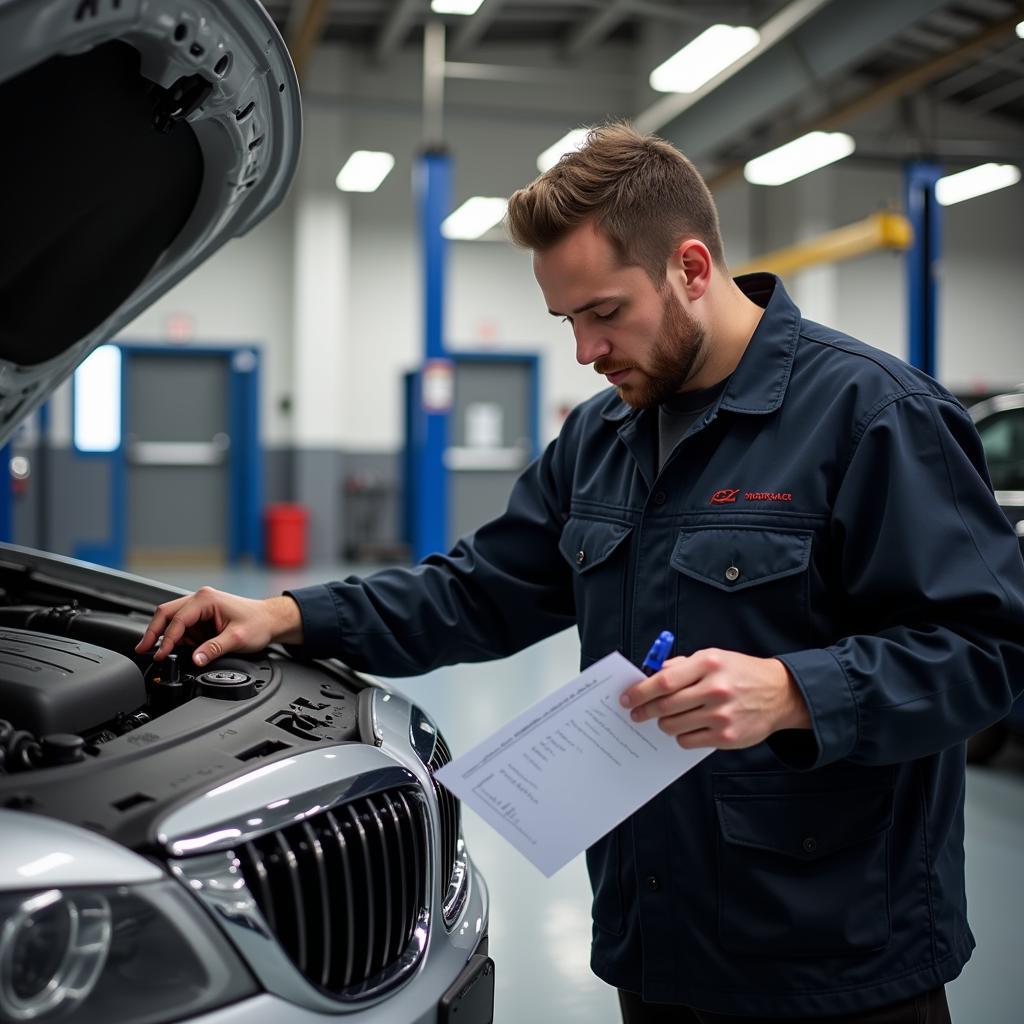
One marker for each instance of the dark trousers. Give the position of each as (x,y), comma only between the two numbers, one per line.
(927,1008)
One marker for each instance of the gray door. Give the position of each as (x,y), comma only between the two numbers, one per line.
(177,448)
(490,437)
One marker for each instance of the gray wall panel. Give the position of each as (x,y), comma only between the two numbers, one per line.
(354,499)
(79,490)
(278,473)
(318,481)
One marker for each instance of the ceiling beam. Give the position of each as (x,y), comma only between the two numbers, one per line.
(827,48)
(476,25)
(696,13)
(397,27)
(996,97)
(308,34)
(593,30)
(987,66)
(910,81)
(773,31)
(901,84)
(523,74)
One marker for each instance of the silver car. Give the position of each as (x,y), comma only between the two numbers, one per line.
(263,841)
(1000,423)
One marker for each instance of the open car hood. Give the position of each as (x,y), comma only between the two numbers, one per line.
(138,137)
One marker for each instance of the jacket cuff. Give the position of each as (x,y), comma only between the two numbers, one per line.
(833,709)
(321,631)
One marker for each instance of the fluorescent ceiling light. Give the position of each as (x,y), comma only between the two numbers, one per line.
(976,181)
(799,157)
(474,217)
(455,6)
(566,144)
(364,171)
(699,61)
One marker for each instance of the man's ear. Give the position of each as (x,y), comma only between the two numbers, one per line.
(691,265)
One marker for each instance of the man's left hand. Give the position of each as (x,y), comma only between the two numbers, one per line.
(719,699)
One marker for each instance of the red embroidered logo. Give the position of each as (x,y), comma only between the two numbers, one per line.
(725,497)
(728,495)
(768,496)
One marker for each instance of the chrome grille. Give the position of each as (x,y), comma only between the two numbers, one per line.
(344,890)
(448,807)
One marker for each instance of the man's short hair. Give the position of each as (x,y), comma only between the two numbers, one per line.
(639,190)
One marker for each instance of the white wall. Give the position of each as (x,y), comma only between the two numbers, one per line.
(492,300)
(247,292)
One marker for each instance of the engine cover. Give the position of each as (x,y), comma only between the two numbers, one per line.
(55,684)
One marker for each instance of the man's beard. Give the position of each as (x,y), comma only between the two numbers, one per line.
(671,360)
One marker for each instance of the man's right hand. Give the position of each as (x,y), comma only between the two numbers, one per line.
(217,624)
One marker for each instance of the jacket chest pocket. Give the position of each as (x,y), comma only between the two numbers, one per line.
(598,554)
(743,588)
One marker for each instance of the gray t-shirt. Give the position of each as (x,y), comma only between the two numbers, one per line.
(677,414)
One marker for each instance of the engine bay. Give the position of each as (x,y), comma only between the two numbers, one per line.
(96,734)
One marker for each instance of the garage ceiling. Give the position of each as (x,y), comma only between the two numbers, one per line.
(897,53)
(387,25)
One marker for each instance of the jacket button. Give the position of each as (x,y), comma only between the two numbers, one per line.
(810,844)
(660,497)
(732,574)
(580,557)
(652,884)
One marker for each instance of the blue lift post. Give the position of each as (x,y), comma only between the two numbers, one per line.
(922,262)
(432,401)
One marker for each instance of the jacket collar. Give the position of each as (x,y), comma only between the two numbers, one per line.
(758,384)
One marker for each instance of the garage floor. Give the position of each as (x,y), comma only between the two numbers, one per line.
(540,928)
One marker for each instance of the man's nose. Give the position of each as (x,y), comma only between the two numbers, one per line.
(590,346)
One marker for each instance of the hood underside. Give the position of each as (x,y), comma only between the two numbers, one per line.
(138,139)
(81,235)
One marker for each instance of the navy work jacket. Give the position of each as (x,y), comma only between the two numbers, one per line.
(832,509)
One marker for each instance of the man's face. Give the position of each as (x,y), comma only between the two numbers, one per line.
(637,335)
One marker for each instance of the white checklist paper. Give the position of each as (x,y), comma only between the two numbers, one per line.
(570,768)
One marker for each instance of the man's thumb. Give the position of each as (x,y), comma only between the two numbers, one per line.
(209,651)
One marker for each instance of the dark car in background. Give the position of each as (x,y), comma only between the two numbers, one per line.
(1000,422)
(262,841)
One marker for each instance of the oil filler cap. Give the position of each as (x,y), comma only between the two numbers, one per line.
(226,684)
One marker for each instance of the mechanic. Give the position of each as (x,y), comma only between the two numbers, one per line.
(814,520)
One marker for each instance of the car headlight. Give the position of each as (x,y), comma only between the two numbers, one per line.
(142,954)
(435,753)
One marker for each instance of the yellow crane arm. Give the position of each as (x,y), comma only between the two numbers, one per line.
(882,230)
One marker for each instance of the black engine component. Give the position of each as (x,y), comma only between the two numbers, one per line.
(166,687)
(19,749)
(113,630)
(52,684)
(227,684)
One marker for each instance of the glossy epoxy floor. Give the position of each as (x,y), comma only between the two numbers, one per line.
(540,928)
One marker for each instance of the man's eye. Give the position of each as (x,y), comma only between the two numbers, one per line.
(607,316)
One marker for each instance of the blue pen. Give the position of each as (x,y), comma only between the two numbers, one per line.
(658,653)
